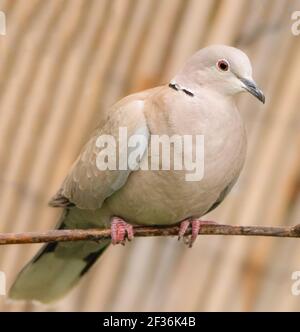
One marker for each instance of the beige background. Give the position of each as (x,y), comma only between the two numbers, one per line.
(63,62)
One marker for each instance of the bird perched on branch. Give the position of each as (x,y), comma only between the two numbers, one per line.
(199,100)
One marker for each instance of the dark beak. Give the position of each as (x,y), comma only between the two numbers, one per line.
(251,87)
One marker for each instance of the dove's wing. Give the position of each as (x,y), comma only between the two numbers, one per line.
(87,186)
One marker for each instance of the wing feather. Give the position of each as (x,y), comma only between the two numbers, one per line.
(86,186)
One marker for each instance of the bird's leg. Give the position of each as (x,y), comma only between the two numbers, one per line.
(196,225)
(120,230)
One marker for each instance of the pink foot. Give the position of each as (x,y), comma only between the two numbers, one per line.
(196,225)
(120,230)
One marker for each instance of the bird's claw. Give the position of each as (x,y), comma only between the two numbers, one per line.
(196,225)
(120,231)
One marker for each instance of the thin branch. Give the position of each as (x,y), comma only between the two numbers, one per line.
(100,234)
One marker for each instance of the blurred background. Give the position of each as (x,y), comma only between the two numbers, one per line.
(63,62)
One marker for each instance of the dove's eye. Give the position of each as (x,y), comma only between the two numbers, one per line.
(223,65)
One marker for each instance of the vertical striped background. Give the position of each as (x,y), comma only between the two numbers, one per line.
(62,62)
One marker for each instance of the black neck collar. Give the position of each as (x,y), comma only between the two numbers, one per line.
(176,87)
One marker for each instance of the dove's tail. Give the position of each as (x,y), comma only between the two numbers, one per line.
(56,268)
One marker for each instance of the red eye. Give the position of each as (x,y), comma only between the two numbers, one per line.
(223,65)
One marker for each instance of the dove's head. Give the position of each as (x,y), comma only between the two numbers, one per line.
(225,69)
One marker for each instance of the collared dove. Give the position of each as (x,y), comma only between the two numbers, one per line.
(199,100)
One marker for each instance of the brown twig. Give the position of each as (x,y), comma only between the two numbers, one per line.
(100,234)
